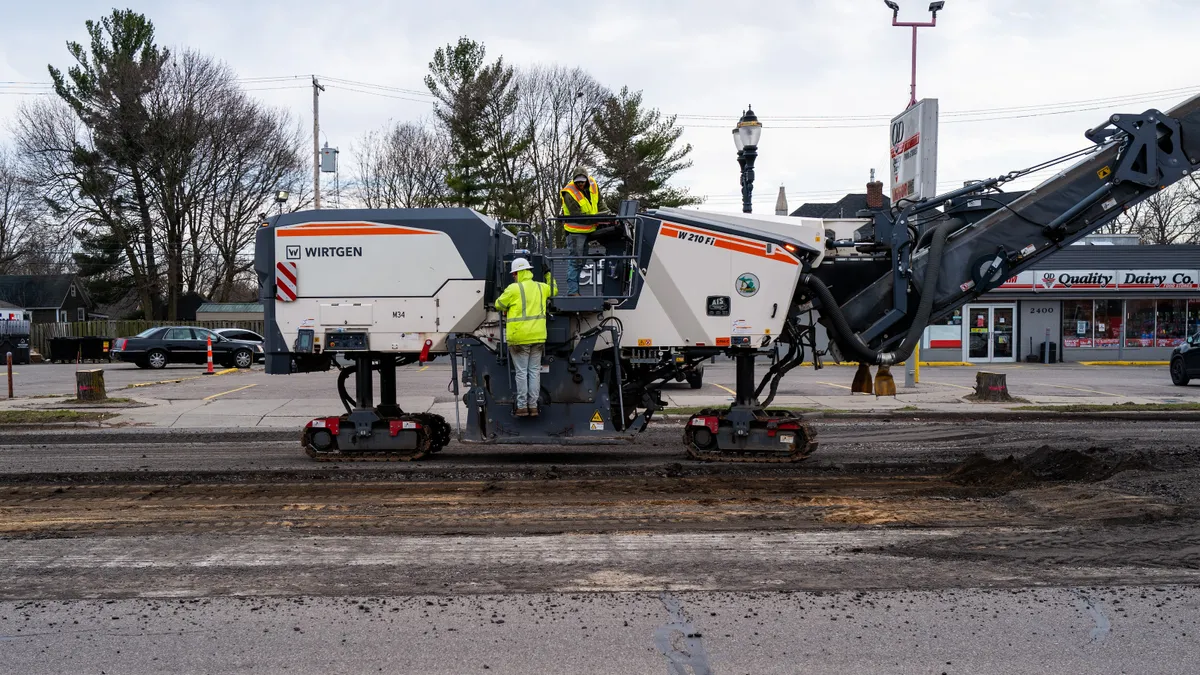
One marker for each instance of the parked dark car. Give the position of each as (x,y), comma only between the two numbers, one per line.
(1185,361)
(245,336)
(156,347)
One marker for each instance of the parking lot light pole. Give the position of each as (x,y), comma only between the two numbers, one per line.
(934,8)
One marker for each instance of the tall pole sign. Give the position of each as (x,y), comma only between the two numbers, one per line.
(913,163)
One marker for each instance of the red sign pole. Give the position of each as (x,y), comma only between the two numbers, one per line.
(209,371)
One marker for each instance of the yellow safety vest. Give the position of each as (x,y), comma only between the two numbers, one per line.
(524,307)
(589,207)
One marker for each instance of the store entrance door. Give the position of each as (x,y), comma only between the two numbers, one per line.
(991,333)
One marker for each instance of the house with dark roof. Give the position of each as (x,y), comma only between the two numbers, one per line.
(50,298)
(846,207)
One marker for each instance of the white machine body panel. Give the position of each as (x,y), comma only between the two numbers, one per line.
(693,266)
(419,286)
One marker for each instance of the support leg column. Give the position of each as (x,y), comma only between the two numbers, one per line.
(744,359)
(387,386)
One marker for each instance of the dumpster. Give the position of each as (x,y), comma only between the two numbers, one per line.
(64,349)
(93,348)
(18,345)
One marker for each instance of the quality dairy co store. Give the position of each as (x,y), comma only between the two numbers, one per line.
(1090,303)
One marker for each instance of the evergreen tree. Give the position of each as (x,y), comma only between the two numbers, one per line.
(101,264)
(639,153)
(476,104)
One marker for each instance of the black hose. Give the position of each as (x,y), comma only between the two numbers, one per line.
(347,400)
(796,360)
(791,352)
(850,341)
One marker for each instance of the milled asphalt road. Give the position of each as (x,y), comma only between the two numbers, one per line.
(1059,630)
(621,602)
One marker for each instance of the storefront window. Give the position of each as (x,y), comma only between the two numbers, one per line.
(1193,320)
(946,333)
(1171,323)
(1108,316)
(1077,323)
(1139,323)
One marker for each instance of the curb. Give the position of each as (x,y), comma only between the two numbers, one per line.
(34,426)
(998,415)
(1124,363)
(1009,415)
(935,364)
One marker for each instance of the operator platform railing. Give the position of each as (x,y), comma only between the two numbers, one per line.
(622,268)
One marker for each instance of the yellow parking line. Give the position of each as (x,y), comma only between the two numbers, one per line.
(947,384)
(209,398)
(226,371)
(839,386)
(1090,391)
(724,387)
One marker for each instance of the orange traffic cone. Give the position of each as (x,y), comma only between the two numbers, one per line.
(209,371)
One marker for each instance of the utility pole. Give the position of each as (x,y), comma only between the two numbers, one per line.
(317,89)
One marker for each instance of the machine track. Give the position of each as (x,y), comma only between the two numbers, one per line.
(799,450)
(442,431)
(435,432)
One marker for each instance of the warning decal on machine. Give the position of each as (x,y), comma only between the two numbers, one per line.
(645,342)
(597,426)
(596,417)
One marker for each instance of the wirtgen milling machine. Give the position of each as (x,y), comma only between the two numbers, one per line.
(669,289)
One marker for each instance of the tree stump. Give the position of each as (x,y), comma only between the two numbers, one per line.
(991,387)
(89,385)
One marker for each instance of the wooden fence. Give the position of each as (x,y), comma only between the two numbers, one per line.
(42,332)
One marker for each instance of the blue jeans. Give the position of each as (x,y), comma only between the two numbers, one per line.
(576,246)
(527,364)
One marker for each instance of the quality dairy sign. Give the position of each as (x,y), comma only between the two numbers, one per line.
(1111,280)
(1156,279)
(914,152)
(1075,280)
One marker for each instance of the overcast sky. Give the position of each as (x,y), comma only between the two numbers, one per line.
(704,61)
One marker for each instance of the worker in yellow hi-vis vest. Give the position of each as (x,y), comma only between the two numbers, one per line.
(581,197)
(524,307)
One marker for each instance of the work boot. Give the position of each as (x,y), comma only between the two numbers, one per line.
(522,412)
(531,412)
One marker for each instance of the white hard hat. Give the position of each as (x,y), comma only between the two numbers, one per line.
(519,264)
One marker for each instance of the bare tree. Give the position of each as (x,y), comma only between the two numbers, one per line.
(1171,216)
(559,104)
(257,152)
(403,166)
(18,216)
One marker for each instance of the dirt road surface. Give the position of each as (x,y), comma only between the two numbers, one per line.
(899,547)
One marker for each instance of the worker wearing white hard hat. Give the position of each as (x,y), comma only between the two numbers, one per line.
(524,306)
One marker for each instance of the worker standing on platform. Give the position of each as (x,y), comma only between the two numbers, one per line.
(524,306)
(581,197)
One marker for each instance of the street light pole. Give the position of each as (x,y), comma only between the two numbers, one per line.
(934,8)
(745,138)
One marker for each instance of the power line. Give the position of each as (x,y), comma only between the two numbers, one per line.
(1123,98)
(377,93)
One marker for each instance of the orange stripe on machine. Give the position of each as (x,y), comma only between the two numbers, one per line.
(347,229)
(726,241)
